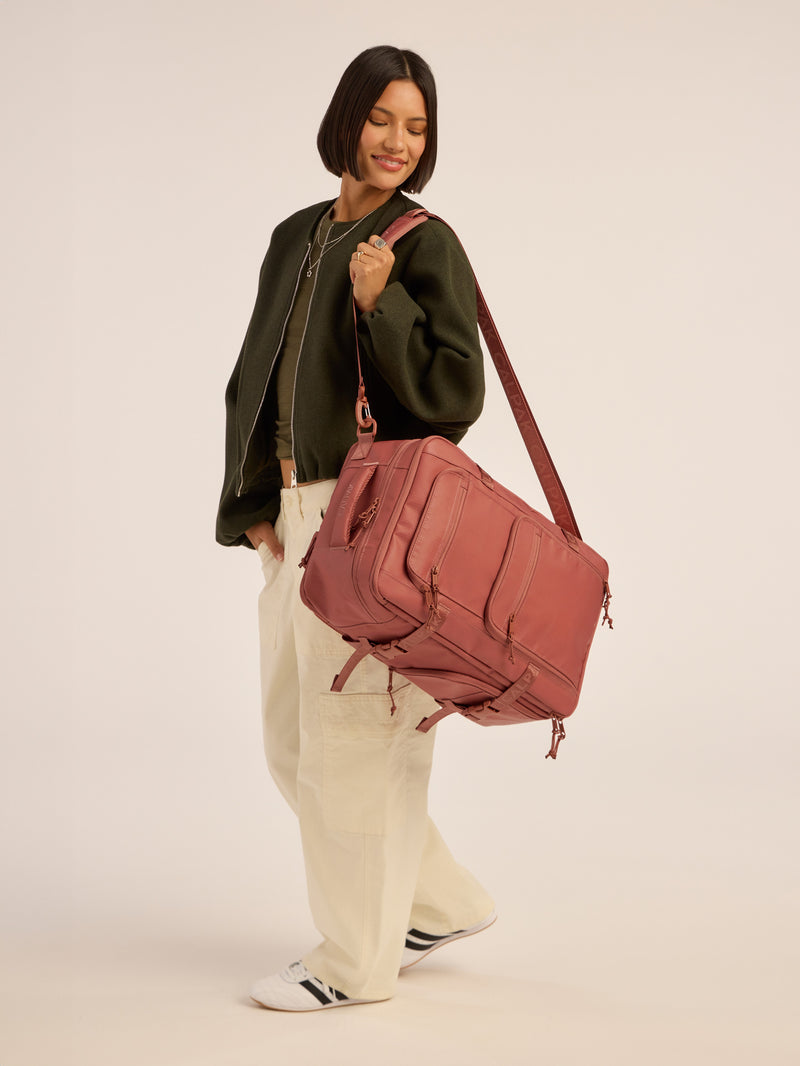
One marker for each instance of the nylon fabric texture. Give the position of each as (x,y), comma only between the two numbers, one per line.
(499,635)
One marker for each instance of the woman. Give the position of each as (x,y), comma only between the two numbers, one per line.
(384,889)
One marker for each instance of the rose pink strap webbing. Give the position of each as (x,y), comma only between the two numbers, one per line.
(554,490)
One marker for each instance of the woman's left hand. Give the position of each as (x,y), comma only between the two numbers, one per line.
(370,266)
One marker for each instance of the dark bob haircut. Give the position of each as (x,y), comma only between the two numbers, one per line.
(356,94)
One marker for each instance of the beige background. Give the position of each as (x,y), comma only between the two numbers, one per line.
(625,176)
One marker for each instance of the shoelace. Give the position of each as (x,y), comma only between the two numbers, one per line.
(296,972)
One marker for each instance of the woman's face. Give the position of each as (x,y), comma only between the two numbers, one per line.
(393,138)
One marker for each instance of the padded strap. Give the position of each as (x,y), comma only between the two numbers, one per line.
(554,491)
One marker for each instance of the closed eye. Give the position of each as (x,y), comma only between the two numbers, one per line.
(414,133)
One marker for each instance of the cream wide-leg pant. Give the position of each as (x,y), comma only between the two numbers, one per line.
(357,777)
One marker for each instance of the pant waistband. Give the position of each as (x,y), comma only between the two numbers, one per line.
(304,503)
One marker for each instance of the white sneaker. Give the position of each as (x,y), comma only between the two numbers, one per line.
(418,944)
(297,989)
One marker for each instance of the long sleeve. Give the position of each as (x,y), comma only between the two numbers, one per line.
(423,335)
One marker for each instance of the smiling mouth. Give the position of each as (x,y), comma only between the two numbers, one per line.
(389,162)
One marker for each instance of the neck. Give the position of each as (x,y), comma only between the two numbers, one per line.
(357,199)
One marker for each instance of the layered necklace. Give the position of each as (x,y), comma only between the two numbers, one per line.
(325,244)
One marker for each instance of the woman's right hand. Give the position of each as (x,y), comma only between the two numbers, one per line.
(263,533)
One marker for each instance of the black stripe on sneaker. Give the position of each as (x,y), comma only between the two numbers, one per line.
(316,992)
(430,937)
(321,995)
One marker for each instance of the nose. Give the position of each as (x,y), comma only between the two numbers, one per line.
(394,139)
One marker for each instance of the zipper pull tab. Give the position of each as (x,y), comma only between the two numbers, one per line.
(390,690)
(606,600)
(559,732)
(366,516)
(432,596)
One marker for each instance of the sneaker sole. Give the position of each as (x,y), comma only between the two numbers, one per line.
(322,1006)
(451,939)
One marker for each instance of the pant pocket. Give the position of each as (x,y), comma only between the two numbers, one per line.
(269,564)
(269,607)
(364,767)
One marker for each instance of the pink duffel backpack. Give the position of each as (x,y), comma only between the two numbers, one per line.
(426,562)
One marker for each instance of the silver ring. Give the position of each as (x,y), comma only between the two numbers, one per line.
(358,256)
(379,242)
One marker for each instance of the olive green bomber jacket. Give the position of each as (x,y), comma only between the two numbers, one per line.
(420,354)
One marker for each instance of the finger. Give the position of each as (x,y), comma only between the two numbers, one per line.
(358,270)
(255,534)
(376,246)
(363,251)
(273,544)
(264,533)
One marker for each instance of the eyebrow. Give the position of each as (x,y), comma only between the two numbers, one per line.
(386,111)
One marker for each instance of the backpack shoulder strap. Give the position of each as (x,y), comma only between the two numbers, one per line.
(554,491)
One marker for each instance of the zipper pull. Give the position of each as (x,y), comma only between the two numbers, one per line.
(559,732)
(390,690)
(606,600)
(432,596)
(366,516)
(432,591)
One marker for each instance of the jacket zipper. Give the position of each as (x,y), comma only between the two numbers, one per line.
(240,486)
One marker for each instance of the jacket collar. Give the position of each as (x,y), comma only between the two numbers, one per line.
(394,207)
